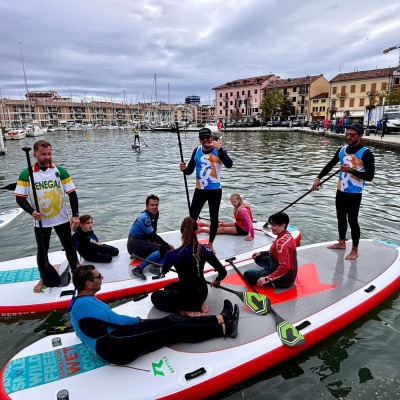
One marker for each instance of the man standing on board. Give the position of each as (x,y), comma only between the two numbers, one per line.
(208,160)
(357,166)
(52,182)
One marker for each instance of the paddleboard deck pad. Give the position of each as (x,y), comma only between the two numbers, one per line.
(329,293)
(18,277)
(9,215)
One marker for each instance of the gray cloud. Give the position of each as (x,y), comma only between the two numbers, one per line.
(111,49)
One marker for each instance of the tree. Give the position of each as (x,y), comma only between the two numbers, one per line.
(390,98)
(286,107)
(271,103)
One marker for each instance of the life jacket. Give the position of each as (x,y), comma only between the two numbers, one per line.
(238,218)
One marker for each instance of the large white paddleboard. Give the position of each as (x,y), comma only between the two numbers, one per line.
(18,277)
(8,216)
(330,293)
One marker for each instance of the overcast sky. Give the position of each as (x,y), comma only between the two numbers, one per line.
(111,49)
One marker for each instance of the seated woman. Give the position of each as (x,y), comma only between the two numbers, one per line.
(188,295)
(87,244)
(280,262)
(120,339)
(243,225)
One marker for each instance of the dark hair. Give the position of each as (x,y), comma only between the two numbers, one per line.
(81,275)
(189,230)
(40,143)
(85,218)
(151,197)
(279,218)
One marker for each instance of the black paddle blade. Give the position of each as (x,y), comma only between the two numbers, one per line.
(11,186)
(288,334)
(65,278)
(51,278)
(258,303)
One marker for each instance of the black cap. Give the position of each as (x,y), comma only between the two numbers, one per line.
(356,126)
(205,131)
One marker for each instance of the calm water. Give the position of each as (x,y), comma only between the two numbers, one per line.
(271,170)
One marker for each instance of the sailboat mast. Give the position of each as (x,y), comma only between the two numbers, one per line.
(26,83)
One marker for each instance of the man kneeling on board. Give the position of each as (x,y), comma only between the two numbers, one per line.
(120,339)
(280,262)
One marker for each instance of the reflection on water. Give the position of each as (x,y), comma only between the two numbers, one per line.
(271,170)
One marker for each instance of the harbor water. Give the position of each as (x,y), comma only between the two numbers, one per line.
(271,170)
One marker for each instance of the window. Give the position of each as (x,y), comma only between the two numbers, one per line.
(323,100)
(353,89)
(315,108)
(322,108)
(362,88)
(293,99)
(351,103)
(383,86)
(231,103)
(255,91)
(334,90)
(220,95)
(342,103)
(315,101)
(343,91)
(294,89)
(373,87)
(362,102)
(220,103)
(242,92)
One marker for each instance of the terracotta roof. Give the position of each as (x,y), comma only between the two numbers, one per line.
(321,96)
(372,73)
(256,80)
(289,82)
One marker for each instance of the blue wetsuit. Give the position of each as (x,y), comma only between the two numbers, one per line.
(143,239)
(120,339)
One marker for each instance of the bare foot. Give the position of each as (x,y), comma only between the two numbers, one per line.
(352,255)
(340,245)
(38,287)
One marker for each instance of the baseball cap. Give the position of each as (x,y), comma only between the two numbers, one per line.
(205,131)
(356,126)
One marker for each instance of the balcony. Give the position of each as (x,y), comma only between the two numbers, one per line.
(303,92)
(342,95)
(302,102)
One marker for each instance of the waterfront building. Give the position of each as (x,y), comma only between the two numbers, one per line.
(351,92)
(319,106)
(192,100)
(240,100)
(300,91)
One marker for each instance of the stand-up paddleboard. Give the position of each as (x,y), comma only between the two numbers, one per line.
(8,216)
(329,293)
(18,277)
(136,146)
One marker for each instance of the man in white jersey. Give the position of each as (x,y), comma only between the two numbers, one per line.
(52,182)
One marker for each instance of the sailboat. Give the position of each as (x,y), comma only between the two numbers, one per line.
(32,129)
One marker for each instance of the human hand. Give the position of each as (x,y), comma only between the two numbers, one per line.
(74,223)
(171,247)
(37,216)
(216,144)
(215,283)
(316,185)
(257,254)
(345,168)
(249,239)
(182,166)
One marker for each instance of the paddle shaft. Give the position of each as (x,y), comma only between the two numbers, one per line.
(27,150)
(184,176)
(305,194)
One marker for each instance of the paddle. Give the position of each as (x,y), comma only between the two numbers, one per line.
(258,303)
(184,176)
(51,278)
(11,186)
(287,333)
(265,226)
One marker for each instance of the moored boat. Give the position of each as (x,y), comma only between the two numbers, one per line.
(15,134)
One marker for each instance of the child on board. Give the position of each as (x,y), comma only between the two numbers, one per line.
(87,244)
(243,225)
(279,264)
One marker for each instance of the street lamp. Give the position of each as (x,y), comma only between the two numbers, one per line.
(370,106)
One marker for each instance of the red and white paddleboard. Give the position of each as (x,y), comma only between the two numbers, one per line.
(18,277)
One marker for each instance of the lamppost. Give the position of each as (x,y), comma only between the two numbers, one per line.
(371,106)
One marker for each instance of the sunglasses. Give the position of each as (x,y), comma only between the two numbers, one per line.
(205,137)
(99,276)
